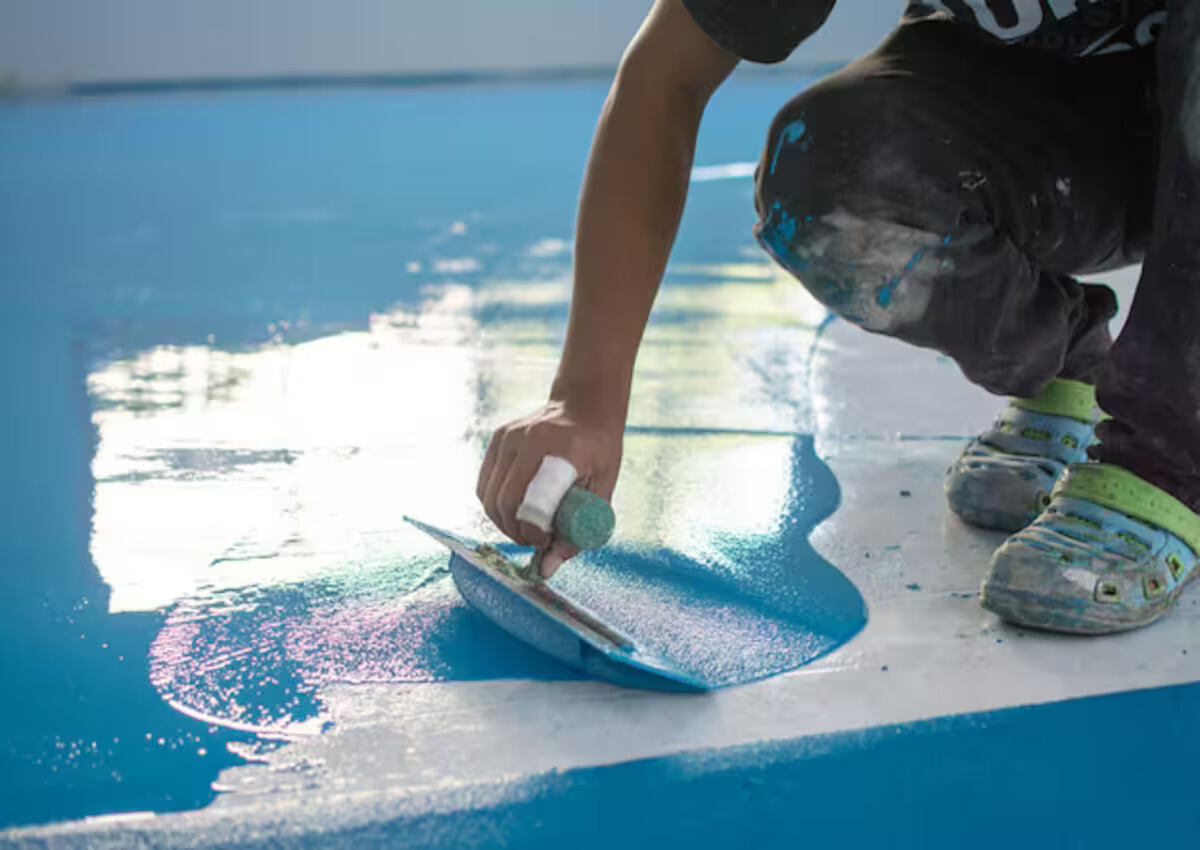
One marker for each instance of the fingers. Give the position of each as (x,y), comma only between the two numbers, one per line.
(492,475)
(532,535)
(503,479)
(489,464)
(509,496)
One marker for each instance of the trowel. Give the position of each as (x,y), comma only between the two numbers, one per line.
(518,600)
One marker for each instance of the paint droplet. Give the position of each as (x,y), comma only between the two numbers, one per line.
(884,668)
(906,493)
(999,640)
(913,586)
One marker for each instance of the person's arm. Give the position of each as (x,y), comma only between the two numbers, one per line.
(632,199)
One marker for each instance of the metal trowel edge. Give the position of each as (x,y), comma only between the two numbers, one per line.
(545,619)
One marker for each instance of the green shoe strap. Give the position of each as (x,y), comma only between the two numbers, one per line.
(1063,397)
(1121,490)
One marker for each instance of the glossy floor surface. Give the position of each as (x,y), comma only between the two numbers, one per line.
(250,332)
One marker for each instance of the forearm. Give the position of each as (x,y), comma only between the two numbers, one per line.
(632,199)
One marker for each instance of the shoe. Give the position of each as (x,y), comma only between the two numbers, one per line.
(1004,477)
(1110,553)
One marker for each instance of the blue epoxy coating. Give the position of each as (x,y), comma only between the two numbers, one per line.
(220,223)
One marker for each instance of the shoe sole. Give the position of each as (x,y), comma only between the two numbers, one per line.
(1037,611)
(989,514)
(989,495)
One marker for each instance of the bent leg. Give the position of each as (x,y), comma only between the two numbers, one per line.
(1120,541)
(943,190)
(1151,384)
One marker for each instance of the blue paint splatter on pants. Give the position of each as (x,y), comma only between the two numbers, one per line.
(790,135)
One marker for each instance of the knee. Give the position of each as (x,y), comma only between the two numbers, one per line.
(851,140)
(874,272)
(851,203)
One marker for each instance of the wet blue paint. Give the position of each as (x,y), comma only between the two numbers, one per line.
(81,728)
(769,604)
(376,627)
(763,605)
(134,222)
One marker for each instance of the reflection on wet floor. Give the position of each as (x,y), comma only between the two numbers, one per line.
(258,493)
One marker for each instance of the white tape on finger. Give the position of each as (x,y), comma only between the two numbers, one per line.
(545,492)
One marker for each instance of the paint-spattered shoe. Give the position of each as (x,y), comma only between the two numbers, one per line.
(1004,477)
(1110,553)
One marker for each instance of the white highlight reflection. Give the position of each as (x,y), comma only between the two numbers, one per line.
(727,171)
(216,469)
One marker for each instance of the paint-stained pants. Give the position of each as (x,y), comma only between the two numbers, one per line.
(945,189)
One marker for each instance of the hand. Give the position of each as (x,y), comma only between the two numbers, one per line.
(516,451)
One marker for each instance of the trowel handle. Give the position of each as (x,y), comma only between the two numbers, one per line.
(584,520)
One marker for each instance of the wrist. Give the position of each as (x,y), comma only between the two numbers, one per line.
(598,398)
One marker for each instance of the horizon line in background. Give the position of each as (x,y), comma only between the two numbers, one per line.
(11,87)
(52,46)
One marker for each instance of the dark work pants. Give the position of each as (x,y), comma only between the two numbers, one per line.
(945,189)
